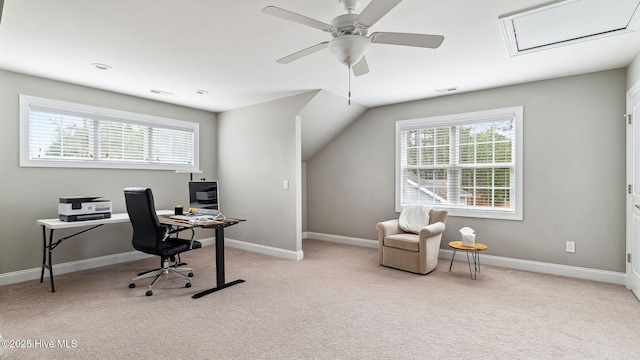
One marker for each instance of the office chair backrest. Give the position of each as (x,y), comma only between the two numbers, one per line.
(147,230)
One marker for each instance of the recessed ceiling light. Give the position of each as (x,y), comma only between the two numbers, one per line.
(202,92)
(101,66)
(160,92)
(446,90)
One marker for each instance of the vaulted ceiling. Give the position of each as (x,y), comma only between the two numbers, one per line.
(227,50)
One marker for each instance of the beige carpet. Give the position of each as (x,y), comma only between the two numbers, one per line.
(337,303)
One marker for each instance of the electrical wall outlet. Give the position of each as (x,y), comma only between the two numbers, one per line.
(571,246)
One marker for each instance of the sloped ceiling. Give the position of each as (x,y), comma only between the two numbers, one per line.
(229,49)
(324,117)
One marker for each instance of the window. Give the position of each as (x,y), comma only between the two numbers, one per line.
(61,134)
(469,164)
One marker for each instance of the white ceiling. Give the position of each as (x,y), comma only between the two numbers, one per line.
(230,48)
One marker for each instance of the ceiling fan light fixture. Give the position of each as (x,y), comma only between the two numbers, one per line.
(349,49)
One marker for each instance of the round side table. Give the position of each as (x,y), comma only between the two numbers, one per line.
(475,254)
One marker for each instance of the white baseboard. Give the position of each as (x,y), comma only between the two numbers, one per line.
(612,277)
(527,265)
(264,249)
(64,268)
(342,239)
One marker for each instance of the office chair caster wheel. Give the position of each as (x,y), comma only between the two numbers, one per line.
(188,285)
(132,285)
(149,293)
(190,274)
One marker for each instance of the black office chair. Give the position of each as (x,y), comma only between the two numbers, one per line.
(152,237)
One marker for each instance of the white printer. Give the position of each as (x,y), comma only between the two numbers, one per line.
(79,208)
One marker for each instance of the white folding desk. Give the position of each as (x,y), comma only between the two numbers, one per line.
(55,224)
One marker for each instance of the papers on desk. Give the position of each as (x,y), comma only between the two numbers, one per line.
(182,217)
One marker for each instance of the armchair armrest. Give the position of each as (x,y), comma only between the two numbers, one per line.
(389,227)
(432,230)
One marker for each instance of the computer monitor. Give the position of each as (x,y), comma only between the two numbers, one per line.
(203,197)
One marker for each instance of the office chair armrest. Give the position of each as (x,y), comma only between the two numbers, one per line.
(193,233)
(176,230)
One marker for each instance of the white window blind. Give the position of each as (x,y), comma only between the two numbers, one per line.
(61,134)
(469,164)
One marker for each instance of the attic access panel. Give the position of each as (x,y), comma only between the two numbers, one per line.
(568,22)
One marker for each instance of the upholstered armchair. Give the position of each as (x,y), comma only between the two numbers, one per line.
(412,242)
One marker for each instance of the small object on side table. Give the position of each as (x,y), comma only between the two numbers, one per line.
(475,254)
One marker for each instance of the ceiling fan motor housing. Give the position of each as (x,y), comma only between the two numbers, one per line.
(347,24)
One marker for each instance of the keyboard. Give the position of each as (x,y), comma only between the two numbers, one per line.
(194,218)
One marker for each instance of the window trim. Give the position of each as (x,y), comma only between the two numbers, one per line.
(27,101)
(515,112)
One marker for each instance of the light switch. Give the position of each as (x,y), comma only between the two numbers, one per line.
(285,185)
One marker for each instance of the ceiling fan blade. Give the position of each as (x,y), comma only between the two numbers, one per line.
(361,67)
(300,19)
(419,40)
(375,11)
(302,53)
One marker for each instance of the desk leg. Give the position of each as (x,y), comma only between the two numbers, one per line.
(220,278)
(220,257)
(44,252)
(46,249)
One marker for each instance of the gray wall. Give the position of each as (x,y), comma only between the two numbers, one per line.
(29,194)
(259,148)
(574,171)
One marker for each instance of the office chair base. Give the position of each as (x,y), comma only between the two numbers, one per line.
(149,292)
(163,272)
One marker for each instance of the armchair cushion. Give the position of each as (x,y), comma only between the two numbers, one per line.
(414,217)
(403,241)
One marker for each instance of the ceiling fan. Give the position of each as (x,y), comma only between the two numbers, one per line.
(350,42)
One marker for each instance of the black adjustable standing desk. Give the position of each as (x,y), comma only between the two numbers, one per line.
(219,227)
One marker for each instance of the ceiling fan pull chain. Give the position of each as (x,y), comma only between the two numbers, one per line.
(349,74)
